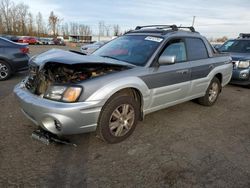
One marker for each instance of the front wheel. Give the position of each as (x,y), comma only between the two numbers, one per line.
(118,119)
(212,93)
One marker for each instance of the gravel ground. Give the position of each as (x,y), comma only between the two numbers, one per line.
(187,145)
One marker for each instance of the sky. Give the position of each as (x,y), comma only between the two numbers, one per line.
(213,18)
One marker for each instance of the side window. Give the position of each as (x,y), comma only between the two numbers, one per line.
(196,49)
(176,48)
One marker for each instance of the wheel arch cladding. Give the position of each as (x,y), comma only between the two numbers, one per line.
(130,91)
(7,62)
(219,76)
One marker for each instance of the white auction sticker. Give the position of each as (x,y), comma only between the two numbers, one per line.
(155,39)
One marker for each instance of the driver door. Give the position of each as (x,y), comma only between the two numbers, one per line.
(170,83)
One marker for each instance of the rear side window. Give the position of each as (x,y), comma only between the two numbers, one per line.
(196,49)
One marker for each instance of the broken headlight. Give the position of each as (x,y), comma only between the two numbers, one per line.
(244,64)
(63,93)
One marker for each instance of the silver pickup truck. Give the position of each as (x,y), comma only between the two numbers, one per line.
(145,70)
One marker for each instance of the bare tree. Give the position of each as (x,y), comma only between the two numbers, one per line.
(1,24)
(74,28)
(30,24)
(107,30)
(101,28)
(84,30)
(117,30)
(22,12)
(53,23)
(222,39)
(66,29)
(39,23)
(14,19)
(5,9)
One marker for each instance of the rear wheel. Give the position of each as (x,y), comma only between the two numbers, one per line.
(5,71)
(118,119)
(212,93)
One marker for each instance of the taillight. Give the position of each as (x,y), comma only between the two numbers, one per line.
(24,50)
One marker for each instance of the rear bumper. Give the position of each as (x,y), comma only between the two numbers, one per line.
(20,64)
(57,117)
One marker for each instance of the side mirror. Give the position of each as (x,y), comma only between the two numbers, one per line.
(166,60)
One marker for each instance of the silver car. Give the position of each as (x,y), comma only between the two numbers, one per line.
(143,71)
(90,48)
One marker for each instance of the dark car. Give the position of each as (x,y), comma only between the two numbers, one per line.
(240,52)
(58,41)
(11,37)
(13,58)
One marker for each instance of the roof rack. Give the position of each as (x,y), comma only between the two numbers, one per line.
(244,35)
(173,27)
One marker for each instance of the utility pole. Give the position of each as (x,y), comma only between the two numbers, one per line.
(193,21)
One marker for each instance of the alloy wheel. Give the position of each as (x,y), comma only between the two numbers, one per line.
(4,71)
(122,120)
(213,92)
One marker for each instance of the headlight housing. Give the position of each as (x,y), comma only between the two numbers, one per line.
(63,93)
(244,64)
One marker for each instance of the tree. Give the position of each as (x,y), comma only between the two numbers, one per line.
(84,30)
(74,28)
(223,39)
(30,24)
(39,24)
(53,23)
(5,9)
(107,30)
(1,24)
(66,29)
(22,12)
(117,30)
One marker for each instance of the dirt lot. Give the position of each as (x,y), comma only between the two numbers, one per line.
(187,145)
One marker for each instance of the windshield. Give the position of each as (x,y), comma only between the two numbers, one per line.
(132,49)
(238,46)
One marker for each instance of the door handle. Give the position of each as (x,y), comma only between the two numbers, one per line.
(182,71)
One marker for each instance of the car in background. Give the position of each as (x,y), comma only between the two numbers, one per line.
(58,41)
(90,48)
(239,50)
(39,41)
(13,58)
(216,46)
(13,38)
(29,40)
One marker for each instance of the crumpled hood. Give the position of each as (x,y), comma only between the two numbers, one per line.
(240,56)
(70,58)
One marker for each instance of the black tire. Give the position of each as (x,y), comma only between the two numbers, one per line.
(206,100)
(5,70)
(106,117)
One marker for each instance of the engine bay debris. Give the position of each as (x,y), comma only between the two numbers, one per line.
(58,73)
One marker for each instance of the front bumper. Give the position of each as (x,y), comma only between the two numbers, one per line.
(241,77)
(58,117)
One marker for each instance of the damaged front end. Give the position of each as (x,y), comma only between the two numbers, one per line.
(56,74)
